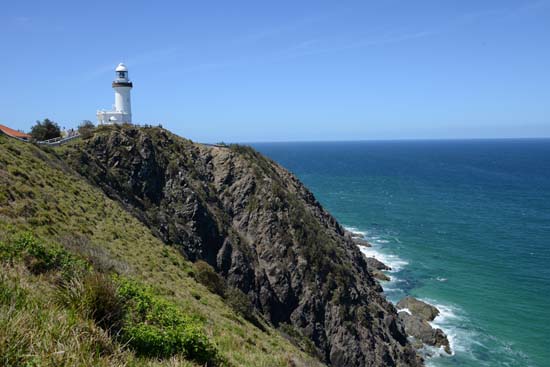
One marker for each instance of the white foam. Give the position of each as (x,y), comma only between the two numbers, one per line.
(356,231)
(393,261)
(446,313)
(405,310)
(449,320)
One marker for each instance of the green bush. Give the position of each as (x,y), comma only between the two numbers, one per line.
(40,258)
(241,304)
(206,275)
(242,149)
(44,130)
(155,327)
(86,129)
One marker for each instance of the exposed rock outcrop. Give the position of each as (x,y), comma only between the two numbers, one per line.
(357,238)
(423,331)
(376,264)
(419,308)
(376,267)
(415,315)
(380,275)
(260,228)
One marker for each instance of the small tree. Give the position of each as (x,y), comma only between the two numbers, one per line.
(45,130)
(86,129)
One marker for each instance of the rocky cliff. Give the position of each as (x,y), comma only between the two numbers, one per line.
(260,228)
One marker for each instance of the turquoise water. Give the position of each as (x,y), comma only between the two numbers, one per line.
(464,224)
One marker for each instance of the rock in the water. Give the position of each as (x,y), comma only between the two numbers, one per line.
(351,234)
(418,308)
(357,238)
(380,276)
(423,331)
(361,242)
(376,264)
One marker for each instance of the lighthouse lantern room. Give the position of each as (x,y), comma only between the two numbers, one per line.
(122,110)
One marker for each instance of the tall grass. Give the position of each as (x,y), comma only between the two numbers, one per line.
(121,311)
(35,331)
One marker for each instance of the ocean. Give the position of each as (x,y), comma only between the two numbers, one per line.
(465,225)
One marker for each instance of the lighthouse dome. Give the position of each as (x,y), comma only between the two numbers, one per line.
(121,67)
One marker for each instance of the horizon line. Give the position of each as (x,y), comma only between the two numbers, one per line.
(382,140)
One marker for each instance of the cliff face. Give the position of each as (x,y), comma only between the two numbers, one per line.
(260,228)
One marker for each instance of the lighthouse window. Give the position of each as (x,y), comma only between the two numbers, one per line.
(121,74)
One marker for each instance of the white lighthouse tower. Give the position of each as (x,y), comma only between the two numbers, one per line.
(122,110)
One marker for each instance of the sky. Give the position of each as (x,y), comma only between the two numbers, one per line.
(251,71)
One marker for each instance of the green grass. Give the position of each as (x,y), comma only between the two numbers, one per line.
(36,331)
(40,194)
(131,314)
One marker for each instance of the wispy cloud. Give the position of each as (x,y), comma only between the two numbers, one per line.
(277,30)
(263,34)
(33,24)
(500,14)
(315,47)
(306,48)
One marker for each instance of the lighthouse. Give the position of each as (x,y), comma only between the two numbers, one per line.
(122,109)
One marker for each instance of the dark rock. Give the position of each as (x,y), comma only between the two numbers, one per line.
(418,308)
(373,263)
(361,242)
(261,230)
(423,331)
(352,235)
(380,275)
(357,238)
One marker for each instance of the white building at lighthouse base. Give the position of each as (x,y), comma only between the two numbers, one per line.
(112,117)
(122,109)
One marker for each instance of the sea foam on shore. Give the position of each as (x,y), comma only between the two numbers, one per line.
(448,315)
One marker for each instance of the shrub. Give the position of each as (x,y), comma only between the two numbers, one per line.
(206,275)
(241,304)
(35,332)
(86,129)
(95,296)
(155,327)
(242,149)
(234,297)
(295,336)
(45,130)
(39,258)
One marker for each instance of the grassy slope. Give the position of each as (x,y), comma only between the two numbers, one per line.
(39,193)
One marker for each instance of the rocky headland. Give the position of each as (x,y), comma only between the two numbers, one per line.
(260,229)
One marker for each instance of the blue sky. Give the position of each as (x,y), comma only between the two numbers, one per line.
(284,70)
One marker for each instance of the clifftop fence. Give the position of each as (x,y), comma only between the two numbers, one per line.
(60,140)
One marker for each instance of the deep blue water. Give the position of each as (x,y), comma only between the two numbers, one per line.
(465,224)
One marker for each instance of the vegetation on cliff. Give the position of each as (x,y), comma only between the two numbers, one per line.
(67,249)
(259,228)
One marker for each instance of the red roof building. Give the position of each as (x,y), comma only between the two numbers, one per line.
(14,133)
